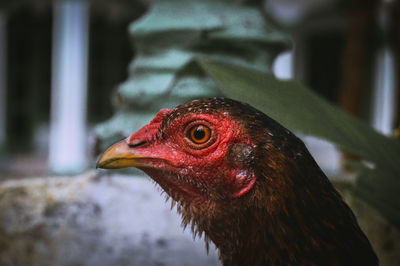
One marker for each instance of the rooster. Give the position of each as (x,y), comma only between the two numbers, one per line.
(247,183)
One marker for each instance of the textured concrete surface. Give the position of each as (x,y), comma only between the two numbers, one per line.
(121,221)
(93,221)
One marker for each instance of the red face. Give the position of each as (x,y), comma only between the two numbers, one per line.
(189,155)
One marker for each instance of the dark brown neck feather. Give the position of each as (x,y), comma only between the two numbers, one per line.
(293,216)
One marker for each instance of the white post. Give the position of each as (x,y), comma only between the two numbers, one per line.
(68,138)
(283,65)
(384,102)
(3,75)
(385,92)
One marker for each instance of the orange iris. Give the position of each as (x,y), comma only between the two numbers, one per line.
(199,134)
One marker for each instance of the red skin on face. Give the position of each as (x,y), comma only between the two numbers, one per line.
(205,164)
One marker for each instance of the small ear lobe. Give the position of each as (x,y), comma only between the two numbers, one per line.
(245,181)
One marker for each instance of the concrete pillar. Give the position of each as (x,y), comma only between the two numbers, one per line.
(384,92)
(68,137)
(283,65)
(385,98)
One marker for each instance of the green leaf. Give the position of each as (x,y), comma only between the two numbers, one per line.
(301,110)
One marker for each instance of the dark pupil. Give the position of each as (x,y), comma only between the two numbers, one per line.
(199,133)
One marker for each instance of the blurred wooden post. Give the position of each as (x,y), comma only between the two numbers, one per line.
(3,75)
(355,57)
(68,140)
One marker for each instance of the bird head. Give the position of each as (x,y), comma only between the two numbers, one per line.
(198,152)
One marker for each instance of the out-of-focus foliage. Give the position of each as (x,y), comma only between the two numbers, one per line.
(170,36)
(301,110)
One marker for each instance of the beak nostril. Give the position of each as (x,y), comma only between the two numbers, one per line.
(136,144)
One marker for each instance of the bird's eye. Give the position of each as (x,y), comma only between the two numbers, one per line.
(199,134)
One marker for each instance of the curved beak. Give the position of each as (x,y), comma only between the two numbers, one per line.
(119,155)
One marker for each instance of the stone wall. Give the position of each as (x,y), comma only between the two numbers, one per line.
(121,220)
(93,221)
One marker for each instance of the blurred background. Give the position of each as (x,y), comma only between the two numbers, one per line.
(53,51)
(62,60)
(69,75)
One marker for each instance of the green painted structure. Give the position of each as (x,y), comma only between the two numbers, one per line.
(169,37)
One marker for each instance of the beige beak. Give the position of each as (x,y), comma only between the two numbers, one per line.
(120,155)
